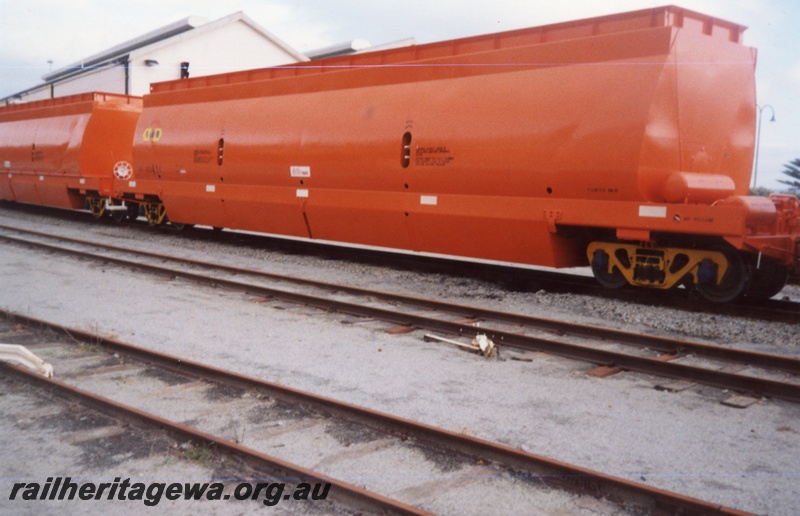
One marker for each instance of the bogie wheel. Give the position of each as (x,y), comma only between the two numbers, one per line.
(613,279)
(180,226)
(733,284)
(119,216)
(97,206)
(769,278)
(133,211)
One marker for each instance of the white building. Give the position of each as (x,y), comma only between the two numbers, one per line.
(190,47)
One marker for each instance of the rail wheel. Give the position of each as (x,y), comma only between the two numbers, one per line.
(155,213)
(97,205)
(768,279)
(133,211)
(180,226)
(733,284)
(613,279)
(118,215)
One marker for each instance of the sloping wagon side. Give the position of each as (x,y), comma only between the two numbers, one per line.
(624,141)
(65,151)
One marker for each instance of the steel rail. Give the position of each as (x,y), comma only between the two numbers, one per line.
(524,464)
(768,310)
(348,494)
(714,378)
(664,344)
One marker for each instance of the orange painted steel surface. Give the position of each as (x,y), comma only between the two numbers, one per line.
(511,137)
(54,151)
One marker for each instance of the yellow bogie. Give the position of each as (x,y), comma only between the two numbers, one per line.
(656,267)
(719,275)
(155,213)
(97,205)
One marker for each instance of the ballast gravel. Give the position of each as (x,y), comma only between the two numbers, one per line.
(686,441)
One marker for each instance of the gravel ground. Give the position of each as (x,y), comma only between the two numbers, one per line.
(686,442)
(88,447)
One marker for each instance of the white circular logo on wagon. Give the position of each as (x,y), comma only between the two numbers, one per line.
(123,170)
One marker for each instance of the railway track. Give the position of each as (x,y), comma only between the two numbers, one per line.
(512,277)
(744,372)
(267,426)
(515,278)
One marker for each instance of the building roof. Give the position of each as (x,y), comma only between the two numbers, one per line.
(339,49)
(117,51)
(195,25)
(231,18)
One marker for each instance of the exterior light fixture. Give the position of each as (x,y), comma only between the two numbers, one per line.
(758,138)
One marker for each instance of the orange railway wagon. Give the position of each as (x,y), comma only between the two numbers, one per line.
(62,152)
(624,142)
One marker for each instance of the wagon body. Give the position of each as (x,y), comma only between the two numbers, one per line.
(479,147)
(53,152)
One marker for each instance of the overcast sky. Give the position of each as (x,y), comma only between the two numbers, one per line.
(33,32)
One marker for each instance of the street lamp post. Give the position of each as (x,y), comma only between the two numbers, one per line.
(758,138)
